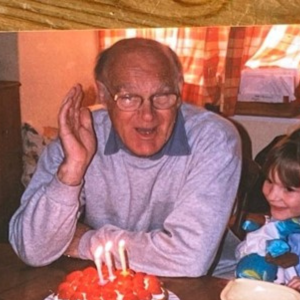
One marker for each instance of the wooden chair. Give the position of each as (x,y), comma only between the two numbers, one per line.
(251,173)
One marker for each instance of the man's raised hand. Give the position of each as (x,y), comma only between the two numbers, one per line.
(77,137)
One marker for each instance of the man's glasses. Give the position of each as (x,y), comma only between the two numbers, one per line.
(132,102)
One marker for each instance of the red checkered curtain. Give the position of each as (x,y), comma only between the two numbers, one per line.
(202,51)
(243,43)
(280,48)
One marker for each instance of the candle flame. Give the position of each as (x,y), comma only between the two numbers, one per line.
(108,246)
(98,252)
(121,243)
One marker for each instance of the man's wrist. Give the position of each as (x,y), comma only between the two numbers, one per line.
(70,174)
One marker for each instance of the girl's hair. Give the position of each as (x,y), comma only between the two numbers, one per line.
(284,158)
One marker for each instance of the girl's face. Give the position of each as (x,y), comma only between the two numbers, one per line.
(284,201)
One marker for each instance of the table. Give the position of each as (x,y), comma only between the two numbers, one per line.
(21,282)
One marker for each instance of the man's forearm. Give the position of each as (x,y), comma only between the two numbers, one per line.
(45,223)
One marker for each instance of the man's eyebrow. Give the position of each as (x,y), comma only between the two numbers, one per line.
(164,87)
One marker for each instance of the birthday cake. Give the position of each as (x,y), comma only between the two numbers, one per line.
(86,285)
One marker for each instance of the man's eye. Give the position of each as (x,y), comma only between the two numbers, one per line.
(125,98)
(128,98)
(161,98)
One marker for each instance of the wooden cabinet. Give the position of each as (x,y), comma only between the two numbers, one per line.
(10,153)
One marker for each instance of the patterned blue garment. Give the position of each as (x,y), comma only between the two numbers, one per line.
(275,238)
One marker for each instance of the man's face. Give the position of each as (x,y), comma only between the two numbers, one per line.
(145,130)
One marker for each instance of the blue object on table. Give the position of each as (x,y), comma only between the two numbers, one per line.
(254,266)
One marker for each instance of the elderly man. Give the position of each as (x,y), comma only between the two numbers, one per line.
(157,173)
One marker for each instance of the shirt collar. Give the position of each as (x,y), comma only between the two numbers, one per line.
(177,145)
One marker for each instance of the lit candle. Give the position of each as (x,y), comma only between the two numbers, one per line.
(98,262)
(108,260)
(122,255)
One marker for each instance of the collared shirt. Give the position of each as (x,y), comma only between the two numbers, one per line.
(177,145)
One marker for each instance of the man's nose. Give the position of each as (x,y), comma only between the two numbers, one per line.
(147,110)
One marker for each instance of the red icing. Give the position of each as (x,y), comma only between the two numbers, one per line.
(132,285)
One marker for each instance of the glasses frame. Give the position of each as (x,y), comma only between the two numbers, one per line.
(115,98)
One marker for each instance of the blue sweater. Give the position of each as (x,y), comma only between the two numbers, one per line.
(171,209)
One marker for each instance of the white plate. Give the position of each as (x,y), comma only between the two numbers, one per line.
(172,296)
(250,289)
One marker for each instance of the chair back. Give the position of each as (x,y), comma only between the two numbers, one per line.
(250,175)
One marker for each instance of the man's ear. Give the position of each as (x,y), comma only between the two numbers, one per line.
(101,93)
(180,84)
(180,88)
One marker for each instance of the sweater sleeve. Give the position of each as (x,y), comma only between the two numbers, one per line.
(192,232)
(44,224)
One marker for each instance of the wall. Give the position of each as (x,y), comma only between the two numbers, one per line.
(51,62)
(9,69)
(262,130)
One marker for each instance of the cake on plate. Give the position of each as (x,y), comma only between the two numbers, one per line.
(130,285)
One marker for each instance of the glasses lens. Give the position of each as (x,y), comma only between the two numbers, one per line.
(164,101)
(128,102)
(133,102)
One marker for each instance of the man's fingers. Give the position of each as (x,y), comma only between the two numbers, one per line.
(69,95)
(74,113)
(78,96)
(70,109)
(87,133)
(66,104)
(85,118)
(64,111)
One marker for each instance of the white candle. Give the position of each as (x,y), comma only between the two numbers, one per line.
(108,260)
(122,255)
(98,262)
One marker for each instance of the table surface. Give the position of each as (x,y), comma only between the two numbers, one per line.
(83,14)
(21,282)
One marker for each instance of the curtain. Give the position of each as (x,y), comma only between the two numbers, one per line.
(280,48)
(213,57)
(201,50)
(243,44)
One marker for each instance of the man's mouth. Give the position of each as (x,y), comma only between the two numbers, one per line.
(146,132)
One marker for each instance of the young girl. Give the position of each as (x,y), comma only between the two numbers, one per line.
(281,233)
